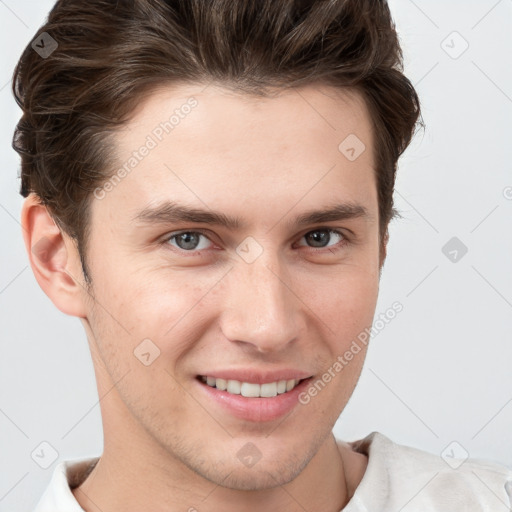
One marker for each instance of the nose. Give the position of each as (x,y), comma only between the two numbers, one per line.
(261,309)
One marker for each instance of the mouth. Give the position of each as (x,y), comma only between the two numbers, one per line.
(254,395)
(251,389)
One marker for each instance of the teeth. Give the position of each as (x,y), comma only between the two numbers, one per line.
(290,384)
(269,390)
(221,384)
(249,389)
(233,387)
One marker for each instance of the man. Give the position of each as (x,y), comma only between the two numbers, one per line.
(209,186)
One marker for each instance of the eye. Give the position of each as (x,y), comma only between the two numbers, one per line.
(188,241)
(191,241)
(322,236)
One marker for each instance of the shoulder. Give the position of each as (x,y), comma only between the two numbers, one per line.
(403,476)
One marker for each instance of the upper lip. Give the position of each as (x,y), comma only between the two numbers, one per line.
(257,376)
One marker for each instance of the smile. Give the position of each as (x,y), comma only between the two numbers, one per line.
(249,389)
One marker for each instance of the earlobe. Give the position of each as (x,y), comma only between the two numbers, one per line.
(53,258)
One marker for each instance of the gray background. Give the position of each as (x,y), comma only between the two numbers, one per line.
(439,372)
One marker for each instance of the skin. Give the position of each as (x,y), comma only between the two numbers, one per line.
(298,305)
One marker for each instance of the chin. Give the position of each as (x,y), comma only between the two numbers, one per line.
(257,480)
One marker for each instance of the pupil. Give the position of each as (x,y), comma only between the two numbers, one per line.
(319,236)
(186,238)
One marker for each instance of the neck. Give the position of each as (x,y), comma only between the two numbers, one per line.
(129,481)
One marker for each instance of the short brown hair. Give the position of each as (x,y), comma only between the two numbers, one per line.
(110,52)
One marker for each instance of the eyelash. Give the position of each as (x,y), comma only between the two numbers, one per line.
(331,249)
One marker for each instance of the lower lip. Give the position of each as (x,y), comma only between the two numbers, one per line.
(255,409)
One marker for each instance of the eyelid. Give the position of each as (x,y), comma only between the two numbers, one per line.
(172,234)
(207,234)
(332,229)
(330,248)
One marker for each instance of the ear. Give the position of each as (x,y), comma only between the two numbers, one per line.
(54,258)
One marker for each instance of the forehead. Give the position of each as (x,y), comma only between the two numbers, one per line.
(204,145)
(311,112)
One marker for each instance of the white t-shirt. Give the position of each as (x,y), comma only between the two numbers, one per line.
(397,478)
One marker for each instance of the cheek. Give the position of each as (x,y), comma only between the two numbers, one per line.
(142,328)
(344,300)
(159,306)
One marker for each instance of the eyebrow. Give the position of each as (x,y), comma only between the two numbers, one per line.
(170,212)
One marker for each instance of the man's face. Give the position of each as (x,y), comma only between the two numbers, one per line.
(270,295)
